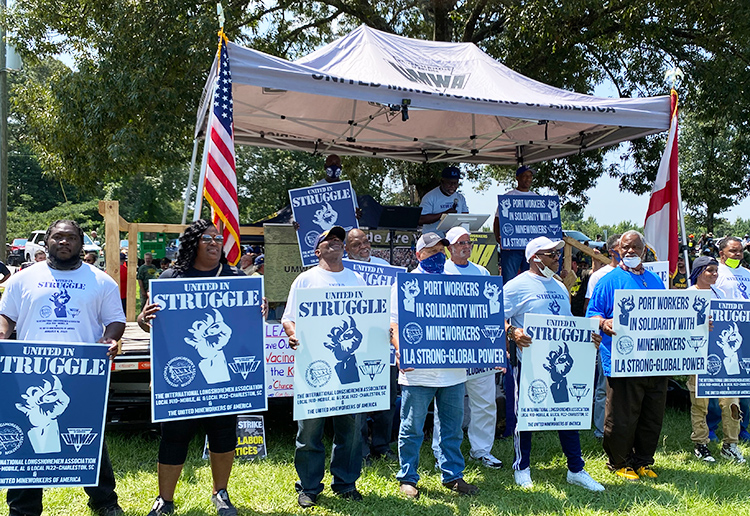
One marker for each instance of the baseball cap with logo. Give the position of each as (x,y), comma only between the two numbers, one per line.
(430,240)
(542,243)
(335,231)
(524,168)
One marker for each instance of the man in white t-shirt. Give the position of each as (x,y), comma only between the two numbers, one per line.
(600,391)
(309,456)
(536,291)
(480,384)
(418,389)
(358,248)
(64,299)
(734,282)
(441,200)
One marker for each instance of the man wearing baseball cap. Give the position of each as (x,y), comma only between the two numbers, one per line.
(309,456)
(536,291)
(480,383)
(442,200)
(419,387)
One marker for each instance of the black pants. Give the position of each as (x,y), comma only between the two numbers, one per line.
(633,416)
(382,423)
(28,502)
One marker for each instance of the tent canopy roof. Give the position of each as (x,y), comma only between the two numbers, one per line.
(461,105)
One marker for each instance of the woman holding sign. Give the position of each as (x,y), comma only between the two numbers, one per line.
(703,277)
(537,292)
(200,256)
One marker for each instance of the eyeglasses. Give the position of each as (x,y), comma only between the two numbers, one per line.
(552,254)
(207,239)
(469,243)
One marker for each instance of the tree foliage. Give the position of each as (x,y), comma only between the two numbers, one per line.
(127,108)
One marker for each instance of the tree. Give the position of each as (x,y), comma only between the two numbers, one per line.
(128,107)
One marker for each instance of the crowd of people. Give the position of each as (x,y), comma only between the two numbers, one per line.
(627,412)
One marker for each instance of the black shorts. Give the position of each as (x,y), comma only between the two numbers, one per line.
(176,437)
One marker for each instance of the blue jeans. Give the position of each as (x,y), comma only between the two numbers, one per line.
(512,261)
(415,402)
(346,456)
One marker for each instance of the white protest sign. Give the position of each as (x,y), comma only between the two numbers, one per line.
(279,362)
(557,373)
(342,363)
(660,332)
(661,269)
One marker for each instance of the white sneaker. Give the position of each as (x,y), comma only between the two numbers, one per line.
(584,480)
(523,478)
(489,461)
(732,452)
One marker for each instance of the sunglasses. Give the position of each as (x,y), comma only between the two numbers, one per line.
(207,239)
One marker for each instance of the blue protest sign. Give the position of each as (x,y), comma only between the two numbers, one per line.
(374,274)
(53,408)
(524,217)
(207,347)
(450,321)
(317,209)
(728,364)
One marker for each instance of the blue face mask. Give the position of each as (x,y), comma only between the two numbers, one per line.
(333,171)
(434,264)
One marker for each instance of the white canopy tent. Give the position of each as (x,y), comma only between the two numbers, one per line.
(375,94)
(462,105)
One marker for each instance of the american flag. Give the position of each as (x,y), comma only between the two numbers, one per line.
(221,175)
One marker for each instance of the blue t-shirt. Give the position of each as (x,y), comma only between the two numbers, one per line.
(602,302)
(529,293)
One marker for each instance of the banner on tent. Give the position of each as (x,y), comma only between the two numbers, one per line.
(450,321)
(317,209)
(524,217)
(661,269)
(557,373)
(207,347)
(342,361)
(660,332)
(52,413)
(279,362)
(728,363)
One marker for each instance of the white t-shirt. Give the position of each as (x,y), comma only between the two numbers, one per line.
(378,261)
(715,292)
(354,195)
(735,283)
(595,277)
(529,293)
(513,192)
(436,201)
(61,306)
(317,277)
(470,269)
(441,377)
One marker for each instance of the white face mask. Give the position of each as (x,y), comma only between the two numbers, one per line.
(631,261)
(546,271)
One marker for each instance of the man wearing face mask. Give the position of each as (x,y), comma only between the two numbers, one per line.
(600,392)
(419,387)
(536,291)
(333,175)
(634,410)
(734,283)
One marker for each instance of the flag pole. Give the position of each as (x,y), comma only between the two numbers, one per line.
(186,197)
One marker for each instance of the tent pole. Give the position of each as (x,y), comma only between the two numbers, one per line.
(204,161)
(190,181)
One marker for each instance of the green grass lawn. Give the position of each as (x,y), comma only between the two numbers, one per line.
(684,486)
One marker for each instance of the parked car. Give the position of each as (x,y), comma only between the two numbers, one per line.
(36,242)
(15,256)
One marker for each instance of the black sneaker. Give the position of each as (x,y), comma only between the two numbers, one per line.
(306,500)
(352,495)
(222,503)
(161,507)
(703,453)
